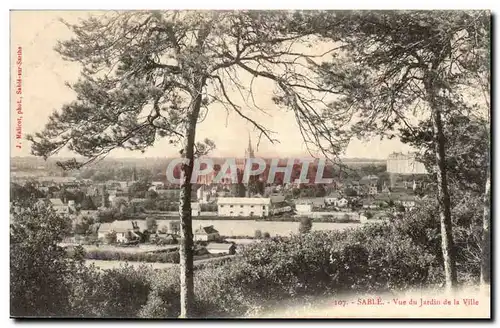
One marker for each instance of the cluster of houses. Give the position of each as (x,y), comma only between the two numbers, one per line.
(368,195)
(130,231)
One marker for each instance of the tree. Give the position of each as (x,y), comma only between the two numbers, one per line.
(400,208)
(266,235)
(394,63)
(110,237)
(305,225)
(88,204)
(151,224)
(466,141)
(151,195)
(258,234)
(349,192)
(38,266)
(79,196)
(150,75)
(18,192)
(139,188)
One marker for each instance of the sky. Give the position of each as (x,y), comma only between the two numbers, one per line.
(44,74)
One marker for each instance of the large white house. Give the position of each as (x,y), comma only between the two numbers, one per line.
(242,206)
(206,234)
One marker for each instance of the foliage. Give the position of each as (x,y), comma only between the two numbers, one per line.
(18,192)
(37,264)
(87,204)
(110,237)
(82,225)
(139,189)
(116,293)
(258,234)
(305,225)
(151,224)
(467,145)
(159,257)
(349,192)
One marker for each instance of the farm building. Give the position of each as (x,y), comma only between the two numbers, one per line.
(220,248)
(206,234)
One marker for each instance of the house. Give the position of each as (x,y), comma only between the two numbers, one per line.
(203,195)
(137,201)
(59,206)
(303,209)
(174,227)
(195,209)
(332,198)
(122,235)
(220,248)
(372,189)
(408,202)
(242,206)
(89,213)
(125,230)
(316,202)
(342,202)
(157,185)
(206,234)
(369,204)
(103,230)
(277,198)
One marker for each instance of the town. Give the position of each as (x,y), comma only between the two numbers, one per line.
(121,208)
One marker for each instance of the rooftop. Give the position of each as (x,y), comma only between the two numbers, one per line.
(219,246)
(206,230)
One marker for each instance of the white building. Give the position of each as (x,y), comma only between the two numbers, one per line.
(241,206)
(336,200)
(405,164)
(202,195)
(342,202)
(206,234)
(195,209)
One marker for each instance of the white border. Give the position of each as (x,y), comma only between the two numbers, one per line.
(186,4)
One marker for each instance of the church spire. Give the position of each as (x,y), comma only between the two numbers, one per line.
(249,152)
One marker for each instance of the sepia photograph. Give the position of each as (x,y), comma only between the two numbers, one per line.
(320,164)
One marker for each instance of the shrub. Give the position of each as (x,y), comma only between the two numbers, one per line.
(305,225)
(116,293)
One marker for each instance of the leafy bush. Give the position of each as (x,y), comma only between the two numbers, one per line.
(115,293)
(152,257)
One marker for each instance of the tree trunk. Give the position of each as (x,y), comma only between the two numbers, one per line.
(186,242)
(486,241)
(447,244)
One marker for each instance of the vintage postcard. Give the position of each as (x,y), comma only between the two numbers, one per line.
(250,164)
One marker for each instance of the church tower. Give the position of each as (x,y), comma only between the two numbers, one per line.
(249,151)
